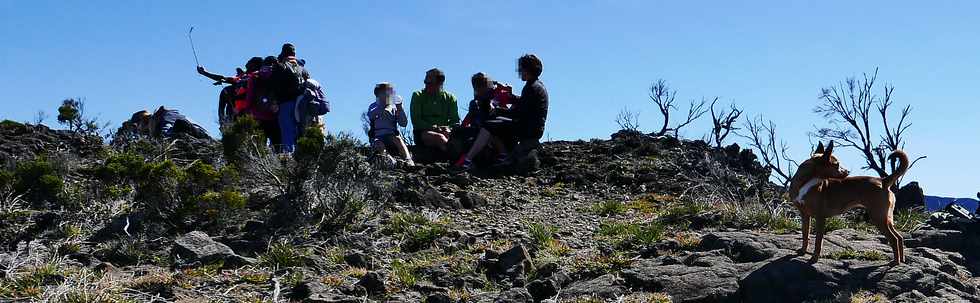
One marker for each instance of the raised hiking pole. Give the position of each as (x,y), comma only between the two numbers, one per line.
(194,50)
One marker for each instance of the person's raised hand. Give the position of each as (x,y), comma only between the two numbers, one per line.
(201,70)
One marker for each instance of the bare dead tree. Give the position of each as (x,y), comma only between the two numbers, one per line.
(848,108)
(628,120)
(694,112)
(774,152)
(723,122)
(661,95)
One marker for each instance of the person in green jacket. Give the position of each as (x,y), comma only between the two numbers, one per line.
(433,112)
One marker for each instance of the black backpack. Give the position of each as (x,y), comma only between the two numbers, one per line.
(291,80)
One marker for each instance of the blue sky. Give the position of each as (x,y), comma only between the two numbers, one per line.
(770,57)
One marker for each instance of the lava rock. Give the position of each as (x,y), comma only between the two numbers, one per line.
(196,246)
(373,282)
(514,295)
(438,298)
(359,259)
(607,287)
(471,200)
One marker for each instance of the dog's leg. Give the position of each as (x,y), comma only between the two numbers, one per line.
(806,234)
(883,221)
(818,243)
(900,241)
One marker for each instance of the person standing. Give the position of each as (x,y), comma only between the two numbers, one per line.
(433,112)
(289,77)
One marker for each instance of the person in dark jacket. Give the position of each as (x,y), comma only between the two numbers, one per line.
(289,76)
(166,122)
(525,121)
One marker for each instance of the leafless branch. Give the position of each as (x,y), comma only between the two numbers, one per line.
(848,109)
(694,112)
(661,95)
(774,152)
(723,122)
(628,120)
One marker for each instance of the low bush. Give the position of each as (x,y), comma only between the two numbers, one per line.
(37,180)
(417,231)
(631,234)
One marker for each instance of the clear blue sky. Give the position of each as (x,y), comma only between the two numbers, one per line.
(771,57)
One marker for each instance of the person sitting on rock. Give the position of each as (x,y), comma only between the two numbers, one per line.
(166,122)
(525,121)
(433,112)
(482,108)
(385,115)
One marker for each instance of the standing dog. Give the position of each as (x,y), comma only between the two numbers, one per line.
(821,189)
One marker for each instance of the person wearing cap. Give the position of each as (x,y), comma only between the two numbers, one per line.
(433,112)
(289,77)
(385,115)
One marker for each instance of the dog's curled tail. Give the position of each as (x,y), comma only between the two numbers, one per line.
(903,166)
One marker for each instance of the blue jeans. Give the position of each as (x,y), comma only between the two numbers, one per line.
(288,126)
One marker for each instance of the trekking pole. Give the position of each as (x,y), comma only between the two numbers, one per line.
(194,50)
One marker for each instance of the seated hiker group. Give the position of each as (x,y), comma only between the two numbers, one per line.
(500,127)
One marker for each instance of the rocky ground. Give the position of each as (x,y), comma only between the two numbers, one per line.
(630,219)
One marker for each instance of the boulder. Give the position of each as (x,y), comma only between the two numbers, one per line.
(909,196)
(438,298)
(374,283)
(606,287)
(509,265)
(196,246)
(316,292)
(514,295)
(358,259)
(682,282)
(470,200)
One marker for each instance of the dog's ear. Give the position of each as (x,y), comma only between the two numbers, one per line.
(819,148)
(830,150)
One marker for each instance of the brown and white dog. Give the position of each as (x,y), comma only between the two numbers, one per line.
(821,189)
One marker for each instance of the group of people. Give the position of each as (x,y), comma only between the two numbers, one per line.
(280,95)
(276,91)
(499,123)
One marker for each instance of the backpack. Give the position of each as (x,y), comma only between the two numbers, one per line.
(292,79)
(314,98)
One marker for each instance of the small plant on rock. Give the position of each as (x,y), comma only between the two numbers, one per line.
(609,207)
(284,254)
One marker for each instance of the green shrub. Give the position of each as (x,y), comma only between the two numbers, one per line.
(609,207)
(219,205)
(284,254)
(38,181)
(418,231)
(628,234)
(909,220)
(309,145)
(242,138)
(404,273)
(851,254)
(541,234)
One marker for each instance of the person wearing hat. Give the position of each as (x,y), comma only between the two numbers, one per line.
(289,77)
